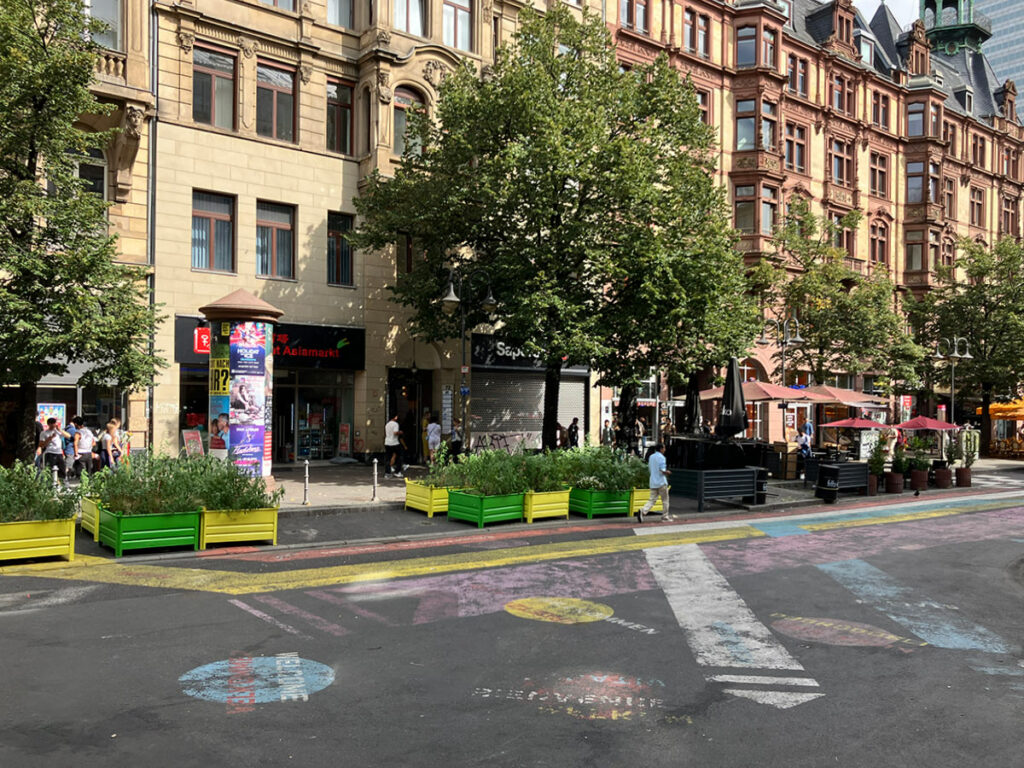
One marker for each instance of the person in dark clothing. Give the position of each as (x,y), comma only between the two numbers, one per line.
(574,433)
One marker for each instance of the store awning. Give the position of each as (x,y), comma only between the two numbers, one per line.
(848,397)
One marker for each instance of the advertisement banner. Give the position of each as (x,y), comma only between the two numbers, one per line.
(344,432)
(193,441)
(220,389)
(48,411)
(268,404)
(247,447)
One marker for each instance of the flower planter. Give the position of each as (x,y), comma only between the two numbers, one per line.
(38,538)
(91,517)
(120,532)
(919,479)
(546,504)
(426,498)
(872,485)
(944,478)
(484,509)
(590,503)
(963,477)
(638,497)
(893,482)
(217,526)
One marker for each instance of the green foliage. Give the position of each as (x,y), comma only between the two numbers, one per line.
(848,320)
(164,485)
(955,449)
(971,444)
(599,468)
(920,448)
(495,473)
(876,459)
(542,473)
(27,495)
(444,473)
(899,461)
(587,196)
(63,297)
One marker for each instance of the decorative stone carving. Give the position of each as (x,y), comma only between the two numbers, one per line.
(305,73)
(307,10)
(124,149)
(186,40)
(248,46)
(434,72)
(383,38)
(384,92)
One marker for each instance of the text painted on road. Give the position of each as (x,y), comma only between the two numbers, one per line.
(242,682)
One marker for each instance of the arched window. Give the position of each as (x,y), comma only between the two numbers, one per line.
(406,100)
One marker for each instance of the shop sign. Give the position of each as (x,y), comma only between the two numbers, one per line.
(193,440)
(906,402)
(497,354)
(201,341)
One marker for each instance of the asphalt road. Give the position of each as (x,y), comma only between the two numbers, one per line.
(881,637)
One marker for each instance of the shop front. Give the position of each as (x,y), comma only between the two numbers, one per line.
(507,396)
(313,393)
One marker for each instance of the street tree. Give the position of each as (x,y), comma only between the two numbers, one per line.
(850,321)
(63,297)
(581,195)
(980,298)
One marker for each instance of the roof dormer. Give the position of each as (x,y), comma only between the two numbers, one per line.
(919,52)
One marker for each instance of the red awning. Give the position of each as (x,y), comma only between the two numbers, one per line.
(759,391)
(923,422)
(855,424)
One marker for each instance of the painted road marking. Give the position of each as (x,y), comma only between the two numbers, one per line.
(244,681)
(720,628)
(761,680)
(923,617)
(559,610)
(839,632)
(268,618)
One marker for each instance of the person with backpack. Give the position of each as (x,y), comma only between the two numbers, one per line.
(84,440)
(69,448)
(51,447)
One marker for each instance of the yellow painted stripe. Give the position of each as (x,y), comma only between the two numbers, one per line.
(234,583)
(908,517)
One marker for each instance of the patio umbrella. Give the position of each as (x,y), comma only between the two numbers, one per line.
(733,418)
(856,424)
(846,396)
(691,413)
(923,422)
(759,391)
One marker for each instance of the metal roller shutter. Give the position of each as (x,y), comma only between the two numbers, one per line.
(508,409)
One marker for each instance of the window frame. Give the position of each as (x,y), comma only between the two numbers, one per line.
(916,112)
(880,107)
(351,23)
(275,227)
(879,244)
(343,250)
(276,90)
(796,137)
(916,195)
(749,40)
(750,116)
(410,94)
(211,217)
(461,9)
(879,163)
(424,9)
(841,155)
(949,198)
(914,242)
(214,75)
(338,106)
(841,97)
(977,198)
(704,35)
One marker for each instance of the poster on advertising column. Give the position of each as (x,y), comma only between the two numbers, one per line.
(268,402)
(248,394)
(220,388)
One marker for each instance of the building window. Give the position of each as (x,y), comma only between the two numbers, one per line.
(92,170)
(275,250)
(915,182)
(934,180)
(404,252)
(948,252)
(409,16)
(769,38)
(880,110)
(284,5)
(405,100)
(842,162)
(339,117)
(977,207)
(746,124)
(879,174)
(704,35)
(842,94)
(879,242)
(704,105)
(340,13)
(934,250)
(275,103)
(934,120)
(457,16)
(769,209)
(745,207)
(1010,217)
(949,136)
(949,198)
(213,232)
(842,237)
(213,88)
(339,252)
(979,155)
(746,47)
(109,12)
(690,30)
(633,14)
(914,251)
(797,75)
(915,119)
(768,125)
(796,147)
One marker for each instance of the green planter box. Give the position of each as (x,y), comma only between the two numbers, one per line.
(226,525)
(121,532)
(484,509)
(426,498)
(590,503)
(38,538)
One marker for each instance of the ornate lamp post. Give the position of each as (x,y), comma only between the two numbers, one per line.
(953,354)
(787,334)
(452,302)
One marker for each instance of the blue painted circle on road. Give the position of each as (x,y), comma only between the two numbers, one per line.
(257,679)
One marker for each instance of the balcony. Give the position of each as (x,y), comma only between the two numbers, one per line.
(110,67)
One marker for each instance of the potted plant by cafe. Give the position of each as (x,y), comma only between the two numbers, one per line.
(894,477)
(967,452)
(36,519)
(919,464)
(236,506)
(876,467)
(602,480)
(430,494)
(944,469)
(548,495)
(496,484)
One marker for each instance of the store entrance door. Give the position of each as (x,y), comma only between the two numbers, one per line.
(410,393)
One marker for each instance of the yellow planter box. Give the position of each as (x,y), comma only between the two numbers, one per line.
(38,538)
(546,504)
(426,498)
(217,526)
(638,497)
(91,517)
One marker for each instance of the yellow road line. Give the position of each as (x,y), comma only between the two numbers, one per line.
(908,517)
(234,583)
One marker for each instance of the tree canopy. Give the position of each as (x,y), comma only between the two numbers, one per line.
(583,196)
(63,297)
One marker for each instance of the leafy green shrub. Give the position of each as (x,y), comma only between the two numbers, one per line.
(224,485)
(600,468)
(495,473)
(444,473)
(899,461)
(919,447)
(876,459)
(542,474)
(27,495)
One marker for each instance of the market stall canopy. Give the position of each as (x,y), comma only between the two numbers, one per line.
(847,396)
(759,391)
(855,424)
(923,422)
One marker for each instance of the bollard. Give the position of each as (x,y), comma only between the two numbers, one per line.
(305,485)
(55,484)
(374,497)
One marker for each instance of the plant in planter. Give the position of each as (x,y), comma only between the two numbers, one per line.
(965,446)
(430,494)
(894,478)
(36,519)
(548,495)
(236,506)
(919,463)
(496,483)
(601,479)
(876,467)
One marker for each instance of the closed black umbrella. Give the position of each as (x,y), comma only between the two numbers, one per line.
(691,413)
(733,418)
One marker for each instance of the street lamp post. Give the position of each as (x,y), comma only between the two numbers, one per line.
(452,301)
(953,354)
(787,334)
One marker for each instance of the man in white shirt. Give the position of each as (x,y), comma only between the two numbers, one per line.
(51,447)
(658,484)
(393,448)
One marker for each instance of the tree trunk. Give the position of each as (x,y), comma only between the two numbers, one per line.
(552,383)
(26,445)
(625,434)
(986,420)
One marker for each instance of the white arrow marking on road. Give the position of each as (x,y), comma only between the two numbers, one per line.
(720,628)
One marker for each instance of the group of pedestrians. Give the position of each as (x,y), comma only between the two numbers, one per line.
(77,449)
(395,447)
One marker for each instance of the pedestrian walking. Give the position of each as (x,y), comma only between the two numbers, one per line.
(455,447)
(658,484)
(574,433)
(69,447)
(51,447)
(110,448)
(84,441)
(607,434)
(433,438)
(393,448)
